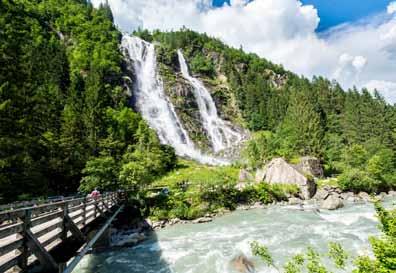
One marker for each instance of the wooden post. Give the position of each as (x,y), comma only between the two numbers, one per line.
(64,222)
(94,214)
(23,262)
(84,212)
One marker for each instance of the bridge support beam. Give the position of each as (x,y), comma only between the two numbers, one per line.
(42,255)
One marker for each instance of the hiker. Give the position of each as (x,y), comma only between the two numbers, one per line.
(95,194)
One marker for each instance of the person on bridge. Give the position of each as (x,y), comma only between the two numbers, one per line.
(95,194)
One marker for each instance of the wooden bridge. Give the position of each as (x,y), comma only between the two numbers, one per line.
(29,235)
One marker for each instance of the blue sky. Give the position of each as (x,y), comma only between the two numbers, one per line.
(335,12)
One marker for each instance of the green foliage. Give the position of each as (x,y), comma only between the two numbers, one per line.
(301,132)
(314,264)
(365,171)
(63,110)
(202,65)
(262,252)
(357,180)
(295,264)
(260,148)
(338,255)
(100,172)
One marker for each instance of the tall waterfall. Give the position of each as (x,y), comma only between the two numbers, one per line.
(153,104)
(221,135)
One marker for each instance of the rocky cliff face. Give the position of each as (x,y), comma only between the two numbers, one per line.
(181,94)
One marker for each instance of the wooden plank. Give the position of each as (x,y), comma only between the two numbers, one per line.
(10,229)
(9,264)
(75,208)
(42,255)
(47,229)
(76,214)
(49,240)
(13,245)
(46,218)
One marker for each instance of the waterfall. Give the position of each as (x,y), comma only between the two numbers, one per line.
(152,102)
(221,135)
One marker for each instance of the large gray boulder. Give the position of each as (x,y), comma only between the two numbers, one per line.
(332,202)
(310,165)
(242,264)
(278,171)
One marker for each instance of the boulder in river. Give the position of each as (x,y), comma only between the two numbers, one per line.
(278,171)
(333,202)
(364,196)
(321,194)
(242,264)
(202,220)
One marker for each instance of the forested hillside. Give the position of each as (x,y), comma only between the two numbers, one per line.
(352,131)
(63,107)
(66,117)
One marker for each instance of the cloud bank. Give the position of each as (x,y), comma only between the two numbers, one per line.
(362,54)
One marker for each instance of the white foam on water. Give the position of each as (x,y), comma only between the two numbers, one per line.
(349,218)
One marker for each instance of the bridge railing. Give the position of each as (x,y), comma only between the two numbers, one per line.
(28,234)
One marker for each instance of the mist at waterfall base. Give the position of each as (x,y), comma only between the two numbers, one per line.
(209,247)
(156,108)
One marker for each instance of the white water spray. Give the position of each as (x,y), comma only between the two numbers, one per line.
(222,136)
(153,104)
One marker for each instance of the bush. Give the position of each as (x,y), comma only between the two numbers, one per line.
(357,180)
(264,193)
(281,191)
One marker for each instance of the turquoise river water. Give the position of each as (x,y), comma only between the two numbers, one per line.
(209,247)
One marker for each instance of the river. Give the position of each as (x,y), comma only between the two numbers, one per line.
(209,247)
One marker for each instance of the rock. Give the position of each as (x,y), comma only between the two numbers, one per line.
(321,194)
(245,176)
(392,193)
(310,165)
(347,195)
(260,174)
(174,221)
(278,171)
(257,205)
(364,196)
(333,202)
(159,224)
(295,201)
(202,220)
(242,264)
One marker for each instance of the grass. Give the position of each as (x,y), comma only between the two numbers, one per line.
(196,174)
(333,182)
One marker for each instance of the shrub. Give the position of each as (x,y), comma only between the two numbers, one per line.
(357,180)
(264,193)
(281,191)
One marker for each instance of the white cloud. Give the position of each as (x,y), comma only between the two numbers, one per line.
(392,8)
(388,89)
(282,31)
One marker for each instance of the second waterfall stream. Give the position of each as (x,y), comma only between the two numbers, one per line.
(152,102)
